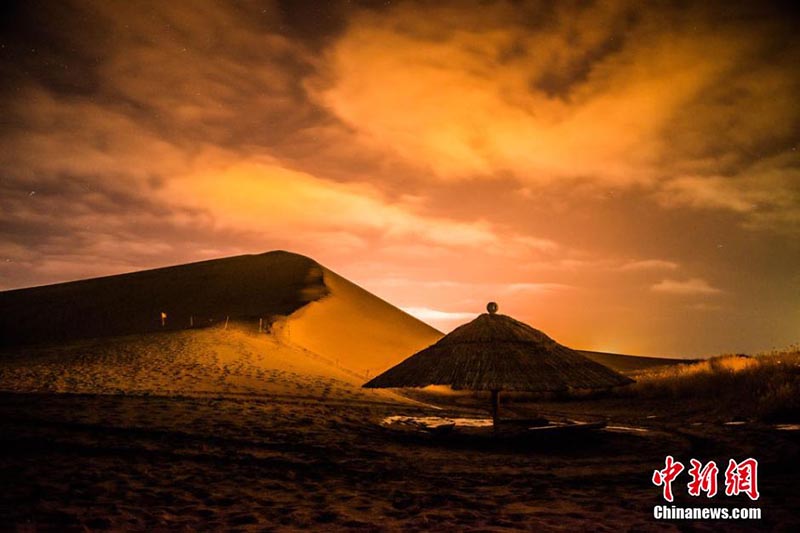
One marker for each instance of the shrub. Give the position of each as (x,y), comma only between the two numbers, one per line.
(765,387)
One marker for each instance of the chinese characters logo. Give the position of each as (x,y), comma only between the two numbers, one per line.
(740,478)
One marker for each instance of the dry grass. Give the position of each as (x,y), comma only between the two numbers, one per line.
(764,387)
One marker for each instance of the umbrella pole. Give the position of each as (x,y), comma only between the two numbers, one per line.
(495,407)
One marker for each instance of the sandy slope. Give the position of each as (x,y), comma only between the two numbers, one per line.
(319,348)
(214,360)
(356,329)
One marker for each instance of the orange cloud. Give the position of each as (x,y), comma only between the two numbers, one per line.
(586,97)
(267,198)
(464,102)
(560,158)
(648,264)
(693,286)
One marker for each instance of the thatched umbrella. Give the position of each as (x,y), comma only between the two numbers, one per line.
(497,353)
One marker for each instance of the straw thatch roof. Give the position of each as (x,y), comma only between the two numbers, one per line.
(496,352)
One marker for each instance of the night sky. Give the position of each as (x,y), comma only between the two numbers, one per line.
(622,175)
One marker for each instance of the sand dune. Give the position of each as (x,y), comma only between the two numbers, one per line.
(324,334)
(631,364)
(246,287)
(208,361)
(356,329)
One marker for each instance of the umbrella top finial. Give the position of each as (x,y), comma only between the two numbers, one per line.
(492,307)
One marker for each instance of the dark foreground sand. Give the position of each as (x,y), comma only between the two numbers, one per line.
(150,463)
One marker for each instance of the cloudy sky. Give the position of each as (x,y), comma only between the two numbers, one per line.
(622,175)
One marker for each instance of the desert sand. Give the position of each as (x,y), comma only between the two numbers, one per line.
(166,463)
(356,329)
(234,429)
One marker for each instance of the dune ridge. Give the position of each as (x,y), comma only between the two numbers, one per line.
(275,323)
(201,294)
(355,329)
